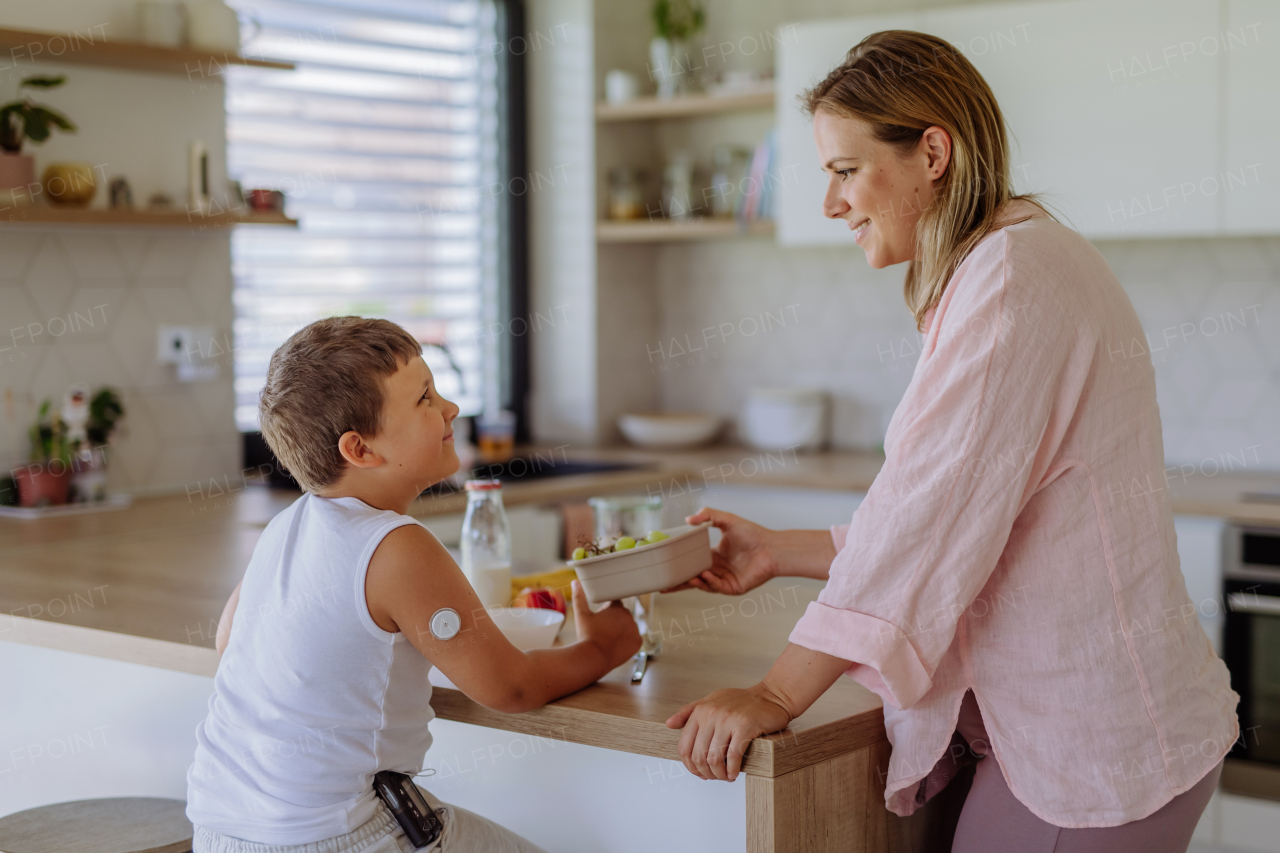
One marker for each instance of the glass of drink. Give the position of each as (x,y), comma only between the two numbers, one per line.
(496,436)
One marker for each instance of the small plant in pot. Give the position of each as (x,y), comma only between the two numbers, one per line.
(46,480)
(675,22)
(21,120)
(68,449)
(89,423)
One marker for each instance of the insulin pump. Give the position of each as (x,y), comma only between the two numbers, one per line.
(421,825)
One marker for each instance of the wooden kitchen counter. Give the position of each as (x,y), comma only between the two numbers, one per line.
(1215,486)
(147,584)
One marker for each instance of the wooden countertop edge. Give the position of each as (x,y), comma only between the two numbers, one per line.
(1238,511)
(768,756)
(129,648)
(773,755)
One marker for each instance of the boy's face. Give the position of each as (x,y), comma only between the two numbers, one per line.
(416,435)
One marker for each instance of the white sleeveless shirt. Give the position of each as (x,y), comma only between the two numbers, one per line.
(311,697)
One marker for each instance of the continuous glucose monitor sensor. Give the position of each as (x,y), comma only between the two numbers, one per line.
(445,623)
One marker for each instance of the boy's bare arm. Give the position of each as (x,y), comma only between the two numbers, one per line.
(224,622)
(411,576)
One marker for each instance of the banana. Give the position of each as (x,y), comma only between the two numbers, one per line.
(557,579)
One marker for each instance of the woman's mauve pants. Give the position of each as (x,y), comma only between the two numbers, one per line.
(993,821)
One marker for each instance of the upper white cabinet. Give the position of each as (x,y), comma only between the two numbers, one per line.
(811,50)
(1250,179)
(1112,108)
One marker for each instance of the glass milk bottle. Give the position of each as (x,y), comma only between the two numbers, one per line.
(486,543)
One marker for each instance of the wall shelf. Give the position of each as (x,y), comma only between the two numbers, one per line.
(90,47)
(685,106)
(104,216)
(659,231)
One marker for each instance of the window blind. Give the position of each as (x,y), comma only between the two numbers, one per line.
(381,140)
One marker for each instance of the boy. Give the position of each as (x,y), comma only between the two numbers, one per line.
(323,677)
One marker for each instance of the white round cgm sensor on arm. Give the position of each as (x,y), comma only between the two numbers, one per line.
(445,623)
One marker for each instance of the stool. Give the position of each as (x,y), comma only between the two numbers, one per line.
(114,825)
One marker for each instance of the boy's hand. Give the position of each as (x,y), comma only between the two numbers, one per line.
(613,631)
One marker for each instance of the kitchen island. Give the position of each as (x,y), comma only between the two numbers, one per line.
(146,585)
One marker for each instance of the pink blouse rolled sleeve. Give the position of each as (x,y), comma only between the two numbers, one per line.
(1000,549)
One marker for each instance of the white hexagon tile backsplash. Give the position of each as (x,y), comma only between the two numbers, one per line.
(84,306)
(1210,309)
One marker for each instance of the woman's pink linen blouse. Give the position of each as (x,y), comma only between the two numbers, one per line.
(1018,542)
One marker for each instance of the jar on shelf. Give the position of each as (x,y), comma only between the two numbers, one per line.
(731,162)
(626,193)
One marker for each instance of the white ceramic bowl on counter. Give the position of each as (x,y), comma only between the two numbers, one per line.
(528,627)
(647,568)
(669,430)
(785,418)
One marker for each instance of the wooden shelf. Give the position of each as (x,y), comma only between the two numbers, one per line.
(684,107)
(90,47)
(659,231)
(103,216)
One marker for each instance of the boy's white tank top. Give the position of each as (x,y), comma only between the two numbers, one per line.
(311,697)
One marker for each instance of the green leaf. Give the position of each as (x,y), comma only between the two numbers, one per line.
(44,82)
(35,123)
(55,117)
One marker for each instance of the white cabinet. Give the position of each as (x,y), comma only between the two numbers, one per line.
(781,508)
(1112,108)
(1250,179)
(810,50)
(1200,556)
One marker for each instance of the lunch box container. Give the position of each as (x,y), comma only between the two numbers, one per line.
(647,568)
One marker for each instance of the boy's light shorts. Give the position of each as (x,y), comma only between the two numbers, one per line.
(464,832)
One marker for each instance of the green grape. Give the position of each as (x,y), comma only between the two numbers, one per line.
(624,543)
(579,553)
(656,536)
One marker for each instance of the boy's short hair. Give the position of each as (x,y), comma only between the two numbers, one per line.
(325,380)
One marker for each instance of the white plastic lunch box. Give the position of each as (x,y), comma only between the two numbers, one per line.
(647,568)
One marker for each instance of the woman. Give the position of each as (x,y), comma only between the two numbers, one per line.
(1009,578)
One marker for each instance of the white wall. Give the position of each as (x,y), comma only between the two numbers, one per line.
(129,281)
(77,727)
(846,328)
(561,220)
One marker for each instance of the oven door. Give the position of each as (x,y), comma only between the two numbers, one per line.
(1251,647)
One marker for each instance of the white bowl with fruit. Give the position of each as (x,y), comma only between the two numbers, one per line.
(629,567)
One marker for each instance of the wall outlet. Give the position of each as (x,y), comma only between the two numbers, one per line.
(178,344)
(187,347)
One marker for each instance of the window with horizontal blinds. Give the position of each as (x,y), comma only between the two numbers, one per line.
(381,140)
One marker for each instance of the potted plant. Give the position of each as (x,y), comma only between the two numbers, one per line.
(89,483)
(68,449)
(47,479)
(674,22)
(21,120)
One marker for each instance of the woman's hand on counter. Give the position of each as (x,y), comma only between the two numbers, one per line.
(719,728)
(748,554)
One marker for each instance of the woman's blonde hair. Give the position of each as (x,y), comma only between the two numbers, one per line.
(900,83)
